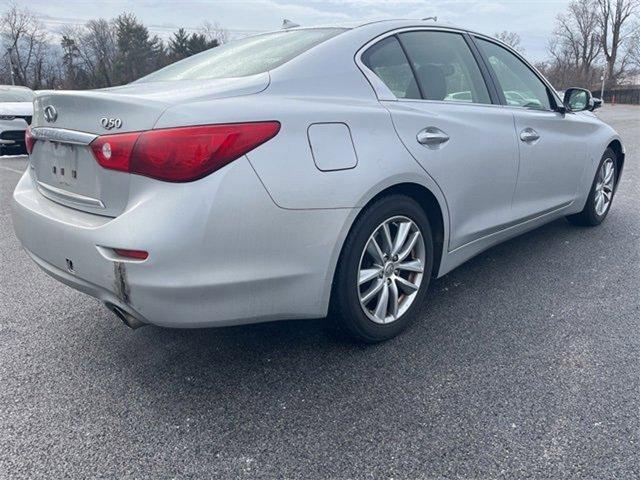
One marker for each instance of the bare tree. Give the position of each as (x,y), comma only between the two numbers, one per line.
(70,58)
(214,32)
(576,44)
(27,43)
(100,50)
(510,38)
(617,35)
(100,53)
(634,51)
(96,49)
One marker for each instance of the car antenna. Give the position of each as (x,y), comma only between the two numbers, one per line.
(286,24)
(435,19)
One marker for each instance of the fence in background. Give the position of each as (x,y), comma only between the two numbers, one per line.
(622,95)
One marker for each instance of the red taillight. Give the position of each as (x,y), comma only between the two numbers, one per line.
(189,153)
(181,154)
(135,254)
(29,140)
(114,151)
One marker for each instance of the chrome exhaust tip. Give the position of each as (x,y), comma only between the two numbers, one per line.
(128,319)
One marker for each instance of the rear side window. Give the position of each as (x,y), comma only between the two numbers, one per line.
(520,86)
(248,56)
(445,67)
(387,60)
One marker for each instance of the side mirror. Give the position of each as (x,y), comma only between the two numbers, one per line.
(597,103)
(579,100)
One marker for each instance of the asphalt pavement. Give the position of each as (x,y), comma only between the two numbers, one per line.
(525,363)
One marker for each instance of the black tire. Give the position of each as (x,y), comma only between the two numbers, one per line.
(345,302)
(589,217)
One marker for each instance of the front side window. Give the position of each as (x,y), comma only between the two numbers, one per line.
(387,60)
(520,86)
(445,67)
(248,56)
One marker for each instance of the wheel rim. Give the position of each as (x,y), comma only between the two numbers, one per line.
(391,269)
(604,187)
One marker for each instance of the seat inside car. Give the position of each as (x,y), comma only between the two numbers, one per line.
(433,82)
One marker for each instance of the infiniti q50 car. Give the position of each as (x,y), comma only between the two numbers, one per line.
(306,172)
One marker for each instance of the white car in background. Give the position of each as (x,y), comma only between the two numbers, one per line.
(16,110)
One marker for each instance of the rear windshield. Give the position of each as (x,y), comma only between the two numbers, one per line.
(17,95)
(247,56)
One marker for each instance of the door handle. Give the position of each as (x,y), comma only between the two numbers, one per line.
(529,135)
(432,137)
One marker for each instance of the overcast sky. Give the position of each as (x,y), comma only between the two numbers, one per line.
(532,19)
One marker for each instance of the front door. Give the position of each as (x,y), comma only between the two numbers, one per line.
(552,151)
(445,117)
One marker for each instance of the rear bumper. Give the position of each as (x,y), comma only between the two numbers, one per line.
(106,296)
(220,251)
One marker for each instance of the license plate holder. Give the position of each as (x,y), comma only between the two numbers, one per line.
(63,162)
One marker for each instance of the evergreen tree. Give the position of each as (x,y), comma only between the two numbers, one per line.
(138,54)
(198,42)
(179,45)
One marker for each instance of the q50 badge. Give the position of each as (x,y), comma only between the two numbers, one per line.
(110,123)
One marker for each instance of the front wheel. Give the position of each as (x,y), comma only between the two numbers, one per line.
(601,194)
(384,270)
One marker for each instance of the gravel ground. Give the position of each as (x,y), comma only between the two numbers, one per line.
(525,364)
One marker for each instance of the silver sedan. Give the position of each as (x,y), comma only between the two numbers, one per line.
(306,171)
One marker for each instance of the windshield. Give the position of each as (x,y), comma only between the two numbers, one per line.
(16,95)
(244,57)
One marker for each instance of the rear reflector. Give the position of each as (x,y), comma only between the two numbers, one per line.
(181,154)
(29,140)
(135,254)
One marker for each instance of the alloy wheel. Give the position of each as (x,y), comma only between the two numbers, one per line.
(604,187)
(391,269)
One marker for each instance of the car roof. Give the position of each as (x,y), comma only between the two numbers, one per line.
(13,87)
(378,27)
(428,22)
(387,24)
(373,28)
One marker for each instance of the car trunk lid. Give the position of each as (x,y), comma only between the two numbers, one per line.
(65,123)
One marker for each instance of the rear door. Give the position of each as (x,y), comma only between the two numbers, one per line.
(552,148)
(447,117)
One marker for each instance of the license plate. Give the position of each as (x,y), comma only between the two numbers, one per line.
(64,163)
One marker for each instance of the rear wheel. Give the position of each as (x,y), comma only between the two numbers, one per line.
(384,270)
(601,194)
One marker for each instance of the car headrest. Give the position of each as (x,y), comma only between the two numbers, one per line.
(433,82)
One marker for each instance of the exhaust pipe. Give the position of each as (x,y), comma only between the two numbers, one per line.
(128,319)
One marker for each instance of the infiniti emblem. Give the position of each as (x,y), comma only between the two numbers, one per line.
(50,114)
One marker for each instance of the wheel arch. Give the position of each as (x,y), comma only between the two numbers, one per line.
(434,208)
(616,146)
(429,203)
